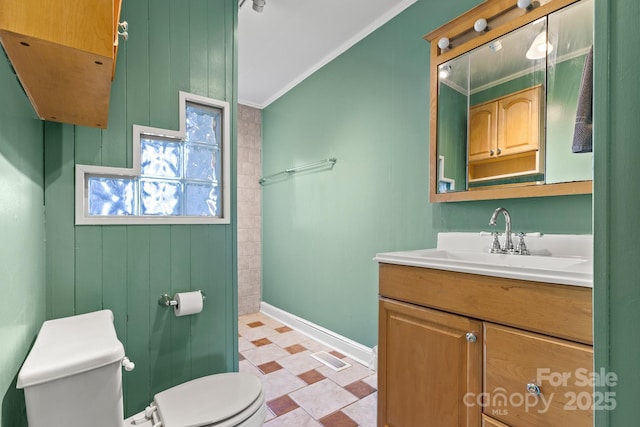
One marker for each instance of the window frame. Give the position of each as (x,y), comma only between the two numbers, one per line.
(84,172)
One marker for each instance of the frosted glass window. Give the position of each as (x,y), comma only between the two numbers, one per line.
(202,200)
(160,158)
(200,161)
(180,173)
(111,196)
(202,125)
(160,197)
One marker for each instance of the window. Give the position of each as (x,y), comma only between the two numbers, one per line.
(177,177)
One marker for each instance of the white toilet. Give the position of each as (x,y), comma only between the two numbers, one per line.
(73,378)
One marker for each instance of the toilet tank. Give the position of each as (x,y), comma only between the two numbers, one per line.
(72,376)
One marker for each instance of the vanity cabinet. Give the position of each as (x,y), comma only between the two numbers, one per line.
(504,136)
(525,338)
(64,54)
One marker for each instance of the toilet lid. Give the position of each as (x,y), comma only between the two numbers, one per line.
(207,400)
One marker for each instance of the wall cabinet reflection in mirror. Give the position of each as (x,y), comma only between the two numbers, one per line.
(505,102)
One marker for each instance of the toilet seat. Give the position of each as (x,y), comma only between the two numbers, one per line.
(221,400)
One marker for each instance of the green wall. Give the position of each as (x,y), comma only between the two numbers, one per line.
(370,109)
(22,259)
(173,45)
(616,203)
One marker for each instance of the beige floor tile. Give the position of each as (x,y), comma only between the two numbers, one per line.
(279,383)
(364,411)
(353,373)
(264,354)
(372,380)
(314,346)
(246,366)
(269,415)
(299,362)
(295,418)
(322,398)
(244,344)
(253,334)
(288,338)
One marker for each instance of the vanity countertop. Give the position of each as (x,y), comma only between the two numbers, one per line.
(555,258)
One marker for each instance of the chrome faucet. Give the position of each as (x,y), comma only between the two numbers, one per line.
(508,243)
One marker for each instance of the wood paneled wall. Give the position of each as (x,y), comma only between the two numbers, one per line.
(173,45)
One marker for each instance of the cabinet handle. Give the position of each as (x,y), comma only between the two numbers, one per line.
(471,337)
(499,151)
(533,389)
(491,152)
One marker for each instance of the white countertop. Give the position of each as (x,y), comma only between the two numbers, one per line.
(555,258)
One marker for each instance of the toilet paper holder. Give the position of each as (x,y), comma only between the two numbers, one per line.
(166,301)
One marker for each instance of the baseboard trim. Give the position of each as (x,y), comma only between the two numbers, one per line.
(360,353)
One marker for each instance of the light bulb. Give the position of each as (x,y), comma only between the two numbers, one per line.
(480,25)
(444,71)
(443,43)
(524,4)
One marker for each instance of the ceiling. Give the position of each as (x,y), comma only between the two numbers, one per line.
(290,39)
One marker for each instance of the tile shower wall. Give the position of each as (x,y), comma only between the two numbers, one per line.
(249,209)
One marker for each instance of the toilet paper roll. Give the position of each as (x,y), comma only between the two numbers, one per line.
(188,303)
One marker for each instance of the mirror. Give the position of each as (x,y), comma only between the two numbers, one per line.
(506,102)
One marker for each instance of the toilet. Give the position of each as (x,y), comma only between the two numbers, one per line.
(72,377)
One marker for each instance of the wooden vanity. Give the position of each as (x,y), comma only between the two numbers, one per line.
(460,349)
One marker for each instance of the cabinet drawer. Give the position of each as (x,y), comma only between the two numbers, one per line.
(559,310)
(561,369)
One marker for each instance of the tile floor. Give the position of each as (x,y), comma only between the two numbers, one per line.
(300,390)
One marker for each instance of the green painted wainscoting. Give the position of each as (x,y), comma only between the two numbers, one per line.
(22,256)
(173,45)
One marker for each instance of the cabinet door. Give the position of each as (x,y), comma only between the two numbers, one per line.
(519,122)
(427,367)
(482,131)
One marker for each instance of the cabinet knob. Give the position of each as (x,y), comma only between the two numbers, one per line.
(533,389)
(471,337)
(499,151)
(491,152)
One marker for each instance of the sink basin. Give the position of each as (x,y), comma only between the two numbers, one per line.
(566,270)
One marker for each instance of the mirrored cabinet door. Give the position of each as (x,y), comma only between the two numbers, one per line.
(506,109)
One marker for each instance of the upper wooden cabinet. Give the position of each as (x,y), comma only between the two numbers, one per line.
(64,54)
(504,136)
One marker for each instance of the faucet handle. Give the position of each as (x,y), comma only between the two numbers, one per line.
(521,247)
(495,246)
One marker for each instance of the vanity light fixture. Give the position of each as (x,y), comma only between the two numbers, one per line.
(540,47)
(444,71)
(444,43)
(525,4)
(481,25)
